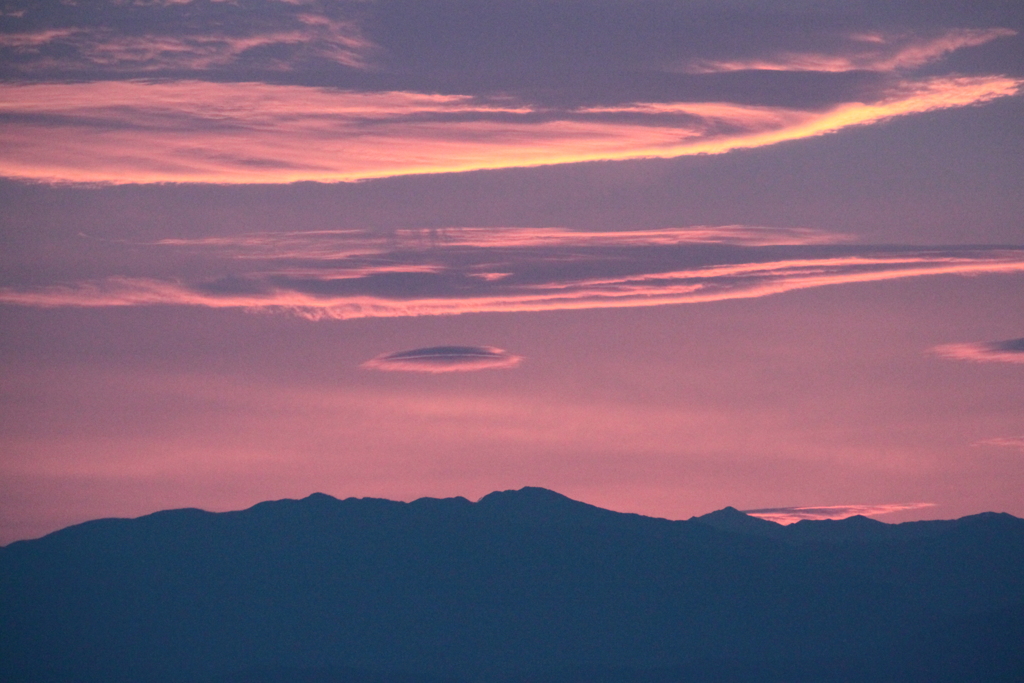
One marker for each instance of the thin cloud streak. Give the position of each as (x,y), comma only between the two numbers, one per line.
(863,52)
(1009,351)
(336,244)
(526,283)
(191,131)
(792,515)
(443,359)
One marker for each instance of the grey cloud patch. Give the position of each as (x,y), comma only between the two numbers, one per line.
(1007,351)
(789,515)
(436,359)
(1009,346)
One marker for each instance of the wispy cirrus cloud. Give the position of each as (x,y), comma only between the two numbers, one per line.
(441,359)
(193,131)
(862,52)
(281,47)
(1008,351)
(791,515)
(351,274)
(31,40)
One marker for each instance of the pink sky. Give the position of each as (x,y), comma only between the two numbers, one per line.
(656,270)
(822,397)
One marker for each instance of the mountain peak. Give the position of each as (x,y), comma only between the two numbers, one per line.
(731,519)
(727,512)
(535,504)
(320,498)
(525,494)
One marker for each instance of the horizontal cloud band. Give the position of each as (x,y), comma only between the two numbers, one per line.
(351,275)
(193,131)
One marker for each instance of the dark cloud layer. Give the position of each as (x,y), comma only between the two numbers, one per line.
(436,359)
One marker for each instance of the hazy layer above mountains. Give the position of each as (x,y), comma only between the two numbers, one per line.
(522,585)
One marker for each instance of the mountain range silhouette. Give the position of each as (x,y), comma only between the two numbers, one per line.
(522,586)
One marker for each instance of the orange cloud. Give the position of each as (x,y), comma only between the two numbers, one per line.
(796,514)
(865,52)
(191,131)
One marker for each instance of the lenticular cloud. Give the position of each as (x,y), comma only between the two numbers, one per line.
(437,359)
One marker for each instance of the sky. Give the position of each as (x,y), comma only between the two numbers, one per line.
(660,256)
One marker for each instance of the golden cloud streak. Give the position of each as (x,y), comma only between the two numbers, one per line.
(796,514)
(190,131)
(700,285)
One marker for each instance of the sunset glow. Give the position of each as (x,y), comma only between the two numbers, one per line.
(660,257)
(797,514)
(187,132)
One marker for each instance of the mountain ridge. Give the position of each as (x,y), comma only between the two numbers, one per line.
(542,502)
(519,586)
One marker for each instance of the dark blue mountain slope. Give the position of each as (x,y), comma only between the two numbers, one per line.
(521,586)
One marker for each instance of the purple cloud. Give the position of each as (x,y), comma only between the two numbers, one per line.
(1009,351)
